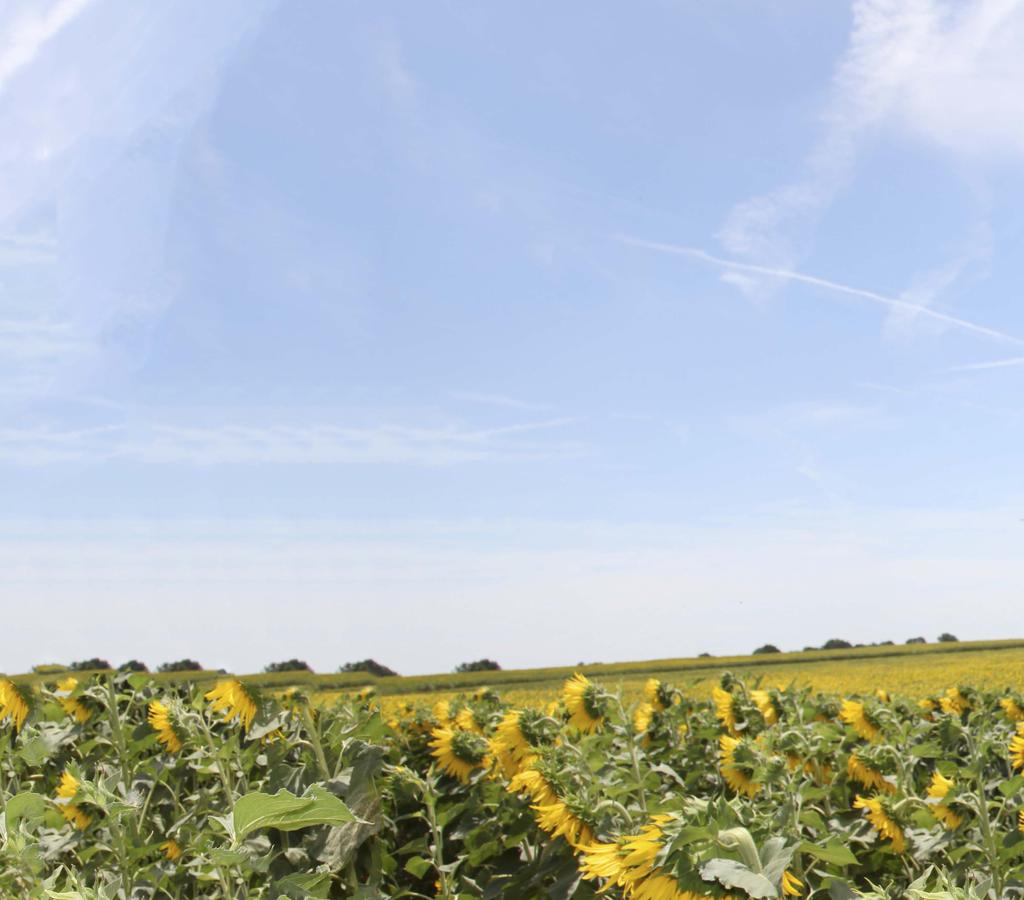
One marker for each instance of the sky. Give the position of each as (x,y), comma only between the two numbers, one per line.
(548,333)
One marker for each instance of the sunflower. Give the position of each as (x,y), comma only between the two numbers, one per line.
(763,701)
(584,701)
(533,782)
(559,819)
(66,792)
(13,703)
(857,770)
(734,774)
(1012,709)
(854,715)
(231,697)
(953,702)
(628,860)
(458,752)
(791,885)
(658,694)
(1020,821)
(160,721)
(883,823)
(1017,747)
(442,711)
(938,790)
(642,716)
(72,705)
(172,850)
(467,721)
(510,746)
(724,710)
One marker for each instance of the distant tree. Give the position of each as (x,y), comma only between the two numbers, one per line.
(885,643)
(181,665)
(703,656)
(917,640)
(480,665)
(809,648)
(370,666)
(767,648)
(86,664)
(947,638)
(133,665)
(289,665)
(836,644)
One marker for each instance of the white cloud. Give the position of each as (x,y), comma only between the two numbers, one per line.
(893,304)
(28,33)
(285,444)
(946,73)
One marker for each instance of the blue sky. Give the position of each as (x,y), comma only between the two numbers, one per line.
(539,332)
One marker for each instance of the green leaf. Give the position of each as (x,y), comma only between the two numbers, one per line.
(928,750)
(1010,787)
(27,806)
(731,873)
(286,812)
(418,866)
(833,852)
(300,886)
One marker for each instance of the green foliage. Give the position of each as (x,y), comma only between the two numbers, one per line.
(288,665)
(181,665)
(766,648)
(480,665)
(947,638)
(89,665)
(370,666)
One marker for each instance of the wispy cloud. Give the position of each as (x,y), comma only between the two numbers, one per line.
(892,303)
(991,364)
(497,400)
(386,444)
(30,33)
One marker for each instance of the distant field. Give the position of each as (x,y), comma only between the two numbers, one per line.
(915,670)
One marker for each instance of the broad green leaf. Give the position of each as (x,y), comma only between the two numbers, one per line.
(286,812)
(27,806)
(418,866)
(833,852)
(731,873)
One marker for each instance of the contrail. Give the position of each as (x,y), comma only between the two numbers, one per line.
(994,364)
(22,45)
(891,302)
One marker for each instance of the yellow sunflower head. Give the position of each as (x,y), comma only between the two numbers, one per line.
(14,703)
(458,752)
(233,699)
(586,703)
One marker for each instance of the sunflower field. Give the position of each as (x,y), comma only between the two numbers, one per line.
(119,786)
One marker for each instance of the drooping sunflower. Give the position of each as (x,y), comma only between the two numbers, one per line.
(1012,709)
(880,818)
(938,790)
(659,694)
(564,819)
(533,782)
(642,717)
(724,708)
(513,742)
(626,861)
(585,703)
(160,721)
(442,711)
(763,701)
(458,752)
(230,697)
(171,849)
(73,706)
(858,770)
(14,704)
(736,775)
(953,702)
(1017,747)
(66,792)
(466,720)
(853,714)
(791,885)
